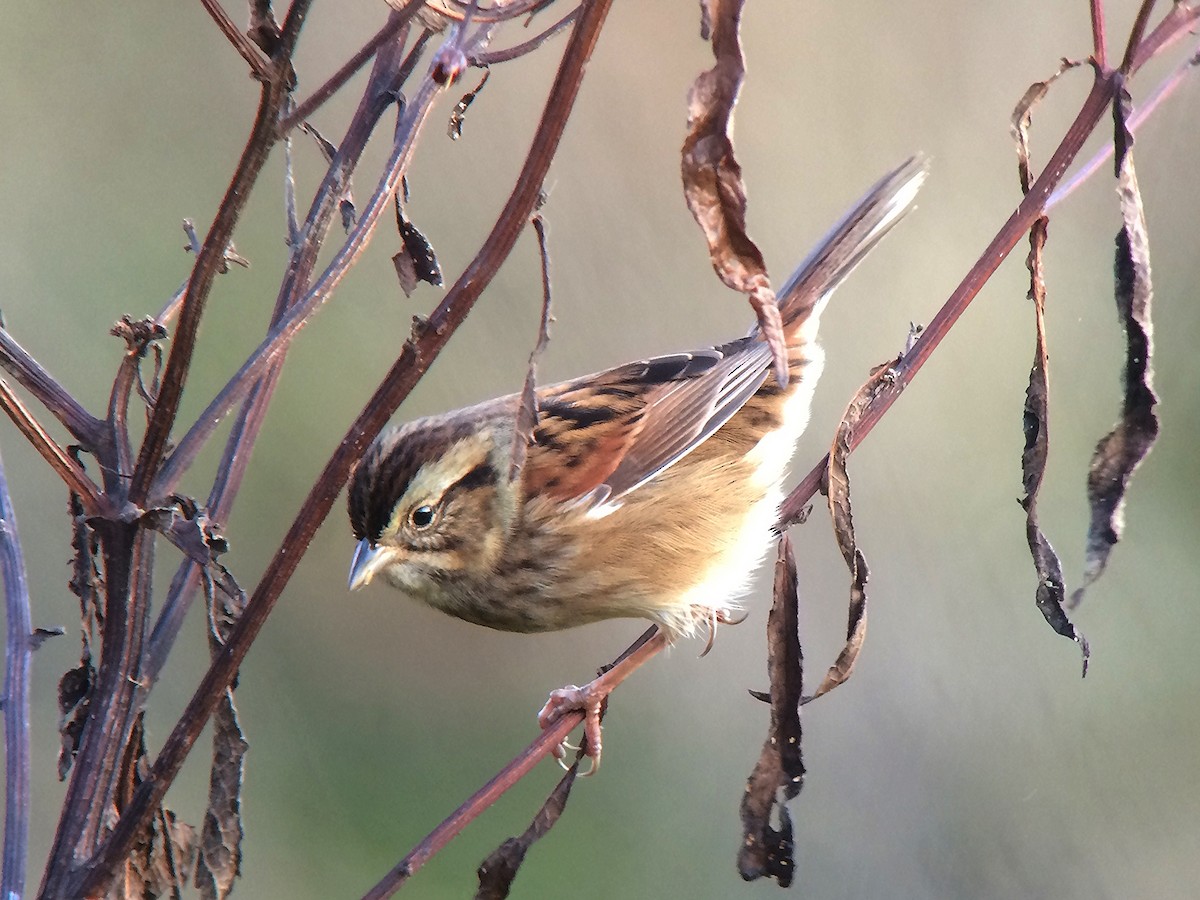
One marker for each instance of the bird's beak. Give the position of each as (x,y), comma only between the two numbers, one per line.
(366,562)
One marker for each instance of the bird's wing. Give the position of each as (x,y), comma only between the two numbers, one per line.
(605,435)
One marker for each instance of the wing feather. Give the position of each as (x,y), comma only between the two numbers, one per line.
(612,432)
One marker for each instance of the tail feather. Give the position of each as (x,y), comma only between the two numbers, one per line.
(851,239)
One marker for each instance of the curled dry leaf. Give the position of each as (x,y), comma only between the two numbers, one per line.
(838,486)
(459,113)
(527,411)
(165,851)
(1051,592)
(415,261)
(1120,451)
(221,835)
(1023,115)
(712,178)
(496,873)
(75,686)
(779,773)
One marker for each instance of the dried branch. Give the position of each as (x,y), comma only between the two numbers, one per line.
(18,655)
(60,461)
(258,65)
(85,428)
(1136,33)
(418,353)
(1174,25)
(1099,48)
(298,314)
(395,24)
(493,57)
(651,642)
(211,258)
(1145,109)
(496,873)
(389,73)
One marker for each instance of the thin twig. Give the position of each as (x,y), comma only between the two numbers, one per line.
(388,75)
(649,644)
(1099,47)
(85,428)
(413,362)
(209,262)
(1030,208)
(298,315)
(18,654)
(335,81)
(1145,109)
(520,766)
(258,64)
(492,57)
(1175,25)
(60,461)
(1136,33)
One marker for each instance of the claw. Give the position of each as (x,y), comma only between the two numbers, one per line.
(589,699)
(718,616)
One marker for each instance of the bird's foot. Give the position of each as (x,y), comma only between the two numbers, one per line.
(589,700)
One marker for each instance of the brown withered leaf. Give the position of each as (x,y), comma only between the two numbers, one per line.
(221,835)
(838,486)
(779,773)
(86,583)
(712,178)
(527,411)
(459,113)
(415,261)
(165,849)
(1122,450)
(74,699)
(496,873)
(1051,592)
(1022,117)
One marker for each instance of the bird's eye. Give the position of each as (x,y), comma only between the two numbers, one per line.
(421,517)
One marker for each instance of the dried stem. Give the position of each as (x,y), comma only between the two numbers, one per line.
(298,314)
(388,75)
(211,258)
(1031,207)
(1174,26)
(416,357)
(84,427)
(18,654)
(651,642)
(396,22)
(261,67)
(1145,109)
(58,458)
(1099,48)
(1136,33)
(492,57)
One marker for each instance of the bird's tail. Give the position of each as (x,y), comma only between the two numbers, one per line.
(851,239)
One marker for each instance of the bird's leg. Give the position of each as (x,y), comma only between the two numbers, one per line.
(590,697)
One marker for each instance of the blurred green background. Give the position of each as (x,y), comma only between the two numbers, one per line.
(965,758)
